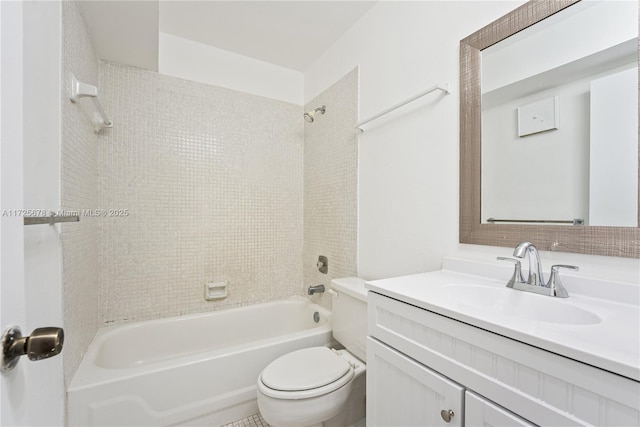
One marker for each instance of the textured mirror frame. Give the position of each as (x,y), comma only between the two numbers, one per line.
(607,241)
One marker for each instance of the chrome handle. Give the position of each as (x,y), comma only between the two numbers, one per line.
(43,343)
(555,268)
(323,264)
(447,415)
(517,276)
(555,284)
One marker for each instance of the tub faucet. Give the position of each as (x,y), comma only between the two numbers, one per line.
(536,277)
(315,289)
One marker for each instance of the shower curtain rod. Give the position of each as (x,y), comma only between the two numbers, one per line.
(444,89)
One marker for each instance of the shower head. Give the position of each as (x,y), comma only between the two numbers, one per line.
(310,115)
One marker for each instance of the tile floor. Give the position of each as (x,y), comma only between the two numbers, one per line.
(251,421)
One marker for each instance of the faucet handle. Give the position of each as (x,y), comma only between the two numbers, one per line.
(555,284)
(517,271)
(568,267)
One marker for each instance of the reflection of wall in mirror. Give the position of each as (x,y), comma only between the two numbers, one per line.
(613,188)
(581,30)
(586,169)
(526,177)
(546,176)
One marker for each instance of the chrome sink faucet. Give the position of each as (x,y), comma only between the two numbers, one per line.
(536,277)
(535,282)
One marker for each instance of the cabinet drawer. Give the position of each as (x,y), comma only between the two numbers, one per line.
(404,393)
(542,387)
(479,412)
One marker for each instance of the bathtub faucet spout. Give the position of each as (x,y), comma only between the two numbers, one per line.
(316,289)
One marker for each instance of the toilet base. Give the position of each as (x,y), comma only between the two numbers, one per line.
(352,413)
(355,410)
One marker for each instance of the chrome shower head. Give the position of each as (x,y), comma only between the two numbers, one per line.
(311,115)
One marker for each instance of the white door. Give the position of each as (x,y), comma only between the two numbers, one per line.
(402,392)
(32,393)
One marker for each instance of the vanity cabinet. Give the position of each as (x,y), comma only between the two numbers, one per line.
(402,392)
(420,363)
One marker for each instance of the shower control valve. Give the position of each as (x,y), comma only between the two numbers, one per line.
(323,264)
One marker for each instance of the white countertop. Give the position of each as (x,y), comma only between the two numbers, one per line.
(612,342)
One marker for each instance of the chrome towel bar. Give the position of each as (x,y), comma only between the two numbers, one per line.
(52,219)
(576,221)
(445,90)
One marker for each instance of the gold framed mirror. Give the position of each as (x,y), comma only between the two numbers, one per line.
(621,241)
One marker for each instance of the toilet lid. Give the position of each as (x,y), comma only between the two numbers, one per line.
(305,369)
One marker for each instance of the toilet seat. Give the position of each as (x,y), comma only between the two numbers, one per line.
(305,373)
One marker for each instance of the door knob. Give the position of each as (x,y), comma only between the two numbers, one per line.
(41,344)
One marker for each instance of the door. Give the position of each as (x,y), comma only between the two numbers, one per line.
(402,392)
(32,393)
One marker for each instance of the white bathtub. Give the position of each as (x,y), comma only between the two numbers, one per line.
(189,370)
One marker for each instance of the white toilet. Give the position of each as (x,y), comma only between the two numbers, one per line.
(319,386)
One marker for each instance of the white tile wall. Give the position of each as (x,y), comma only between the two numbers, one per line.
(331,185)
(78,191)
(212,180)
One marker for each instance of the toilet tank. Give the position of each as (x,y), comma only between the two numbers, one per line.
(350,315)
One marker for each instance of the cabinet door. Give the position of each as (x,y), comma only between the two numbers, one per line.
(479,412)
(402,392)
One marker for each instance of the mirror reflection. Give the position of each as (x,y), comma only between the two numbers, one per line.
(560,120)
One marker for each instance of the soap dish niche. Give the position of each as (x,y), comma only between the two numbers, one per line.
(215,290)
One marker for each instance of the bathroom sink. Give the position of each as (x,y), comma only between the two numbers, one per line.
(598,324)
(509,302)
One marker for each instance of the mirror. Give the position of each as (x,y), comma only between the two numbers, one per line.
(549,129)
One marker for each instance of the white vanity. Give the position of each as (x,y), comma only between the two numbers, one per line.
(456,347)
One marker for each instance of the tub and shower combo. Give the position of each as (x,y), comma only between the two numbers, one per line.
(189,370)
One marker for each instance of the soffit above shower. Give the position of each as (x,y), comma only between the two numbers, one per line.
(124,31)
(290,34)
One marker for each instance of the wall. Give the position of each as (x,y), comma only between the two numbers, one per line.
(212,182)
(408,164)
(202,63)
(331,185)
(79,184)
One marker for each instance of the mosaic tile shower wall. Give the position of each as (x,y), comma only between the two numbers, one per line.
(79,183)
(205,184)
(331,185)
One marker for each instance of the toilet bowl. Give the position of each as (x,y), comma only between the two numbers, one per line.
(307,387)
(313,386)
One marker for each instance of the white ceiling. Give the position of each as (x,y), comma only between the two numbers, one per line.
(292,34)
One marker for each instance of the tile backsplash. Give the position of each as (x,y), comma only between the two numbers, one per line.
(331,185)
(198,184)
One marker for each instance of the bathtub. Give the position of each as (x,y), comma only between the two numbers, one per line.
(189,370)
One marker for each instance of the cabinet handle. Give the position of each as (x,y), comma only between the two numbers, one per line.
(446,415)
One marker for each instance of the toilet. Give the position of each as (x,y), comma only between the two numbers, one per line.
(319,386)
